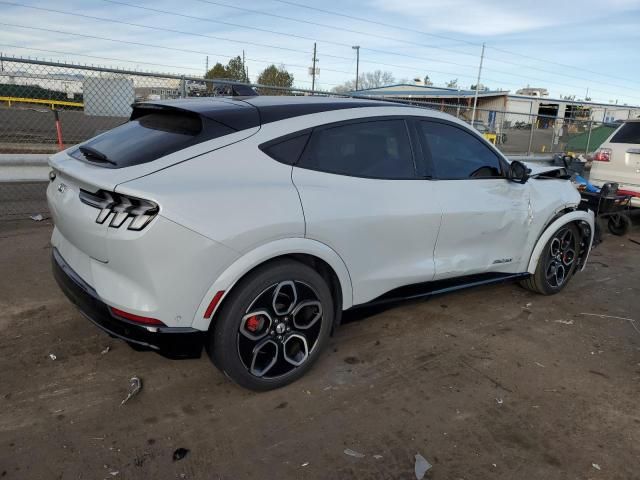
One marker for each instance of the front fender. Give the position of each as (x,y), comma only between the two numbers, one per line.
(263,253)
(574,216)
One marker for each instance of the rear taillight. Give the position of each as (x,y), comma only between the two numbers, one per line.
(602,155)
(116,312)
(119,208)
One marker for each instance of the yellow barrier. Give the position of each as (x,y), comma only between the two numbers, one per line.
(53,103)
(491,137)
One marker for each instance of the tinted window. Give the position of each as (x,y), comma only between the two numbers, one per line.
(456,154)
(628,133)
(149,137)
(288,151)
(377,149)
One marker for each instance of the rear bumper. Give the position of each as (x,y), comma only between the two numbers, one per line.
(171,342)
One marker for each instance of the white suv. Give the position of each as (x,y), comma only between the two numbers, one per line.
(618,160)
(248,225)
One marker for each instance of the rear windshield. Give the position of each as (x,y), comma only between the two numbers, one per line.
(149,137)
(628,133)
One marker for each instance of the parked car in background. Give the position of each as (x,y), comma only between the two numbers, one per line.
(618,160)
(249,225)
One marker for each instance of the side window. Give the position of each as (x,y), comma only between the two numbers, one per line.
(456,154)
(376,149)
(287,151)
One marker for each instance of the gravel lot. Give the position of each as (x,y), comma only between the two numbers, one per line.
(494,382)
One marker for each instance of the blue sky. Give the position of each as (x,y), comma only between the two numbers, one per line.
(528,43)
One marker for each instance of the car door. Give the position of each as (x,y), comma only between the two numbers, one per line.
(485,217)
(361,197)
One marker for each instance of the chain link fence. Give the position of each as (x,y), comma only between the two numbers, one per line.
(48,106)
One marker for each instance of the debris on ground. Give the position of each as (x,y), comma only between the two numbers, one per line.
(180,453)
(304,464)
(564,322)
(421,467)
(52,356)
(114,473)
(353,453)
(377,457)
(596,466)
(37,218)
(105,351)
(539,364)
(135,385)
(499,401)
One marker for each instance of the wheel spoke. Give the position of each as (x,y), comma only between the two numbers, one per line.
(306,314)
(265,355)
(285,298)
(295,349)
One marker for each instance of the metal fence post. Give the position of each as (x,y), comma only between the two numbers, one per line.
(586,150)
(531,134)
(183,87)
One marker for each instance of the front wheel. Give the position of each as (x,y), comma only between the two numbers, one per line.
(557,263)
(273,326)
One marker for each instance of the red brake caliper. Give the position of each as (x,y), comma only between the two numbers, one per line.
(253,323)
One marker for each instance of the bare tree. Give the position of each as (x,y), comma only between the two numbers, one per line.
(374,79)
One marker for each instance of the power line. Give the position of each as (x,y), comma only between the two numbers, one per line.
(374,22)
(121,22)
(384,52)
(151,45)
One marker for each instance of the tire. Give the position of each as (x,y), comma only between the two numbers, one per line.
(557,262)
(619,224)
(273,326)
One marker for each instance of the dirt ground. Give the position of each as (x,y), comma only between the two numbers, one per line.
(494,382)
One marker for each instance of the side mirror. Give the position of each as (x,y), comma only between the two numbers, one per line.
(518,172)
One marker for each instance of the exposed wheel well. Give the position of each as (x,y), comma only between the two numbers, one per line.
(317,264)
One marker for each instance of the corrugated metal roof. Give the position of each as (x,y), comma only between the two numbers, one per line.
(409,90)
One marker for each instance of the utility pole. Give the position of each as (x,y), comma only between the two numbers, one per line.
(244,68)
(475,98)
(313,71)
(357,49)
(206,66)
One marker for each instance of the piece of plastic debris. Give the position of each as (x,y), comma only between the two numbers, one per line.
(421,467)
(353,453)
(596,466)
(539,364)
(105,351)
(528,305)
(135,385)
(114,473)
(377,457)
(37,218)
(304,464)
(494,465)
(499,401)
(180,453)
(52,356)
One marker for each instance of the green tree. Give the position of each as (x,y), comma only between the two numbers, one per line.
(452,83)
(235,70)
(218,71)
(277,77)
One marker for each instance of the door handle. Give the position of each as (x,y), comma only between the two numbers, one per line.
(634,150)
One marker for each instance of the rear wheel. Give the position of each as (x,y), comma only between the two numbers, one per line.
(273,326)
(619,224)
(557,263)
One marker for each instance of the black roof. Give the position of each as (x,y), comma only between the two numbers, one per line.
(240,113)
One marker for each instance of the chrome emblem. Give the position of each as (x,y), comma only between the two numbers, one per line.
(61,188)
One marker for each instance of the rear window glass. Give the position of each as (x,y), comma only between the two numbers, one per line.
(148,138)
(628,133)
(288,151)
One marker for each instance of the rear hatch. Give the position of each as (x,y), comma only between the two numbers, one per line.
(157,136)
(618,159)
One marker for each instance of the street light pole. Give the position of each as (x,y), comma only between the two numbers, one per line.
(357,49)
